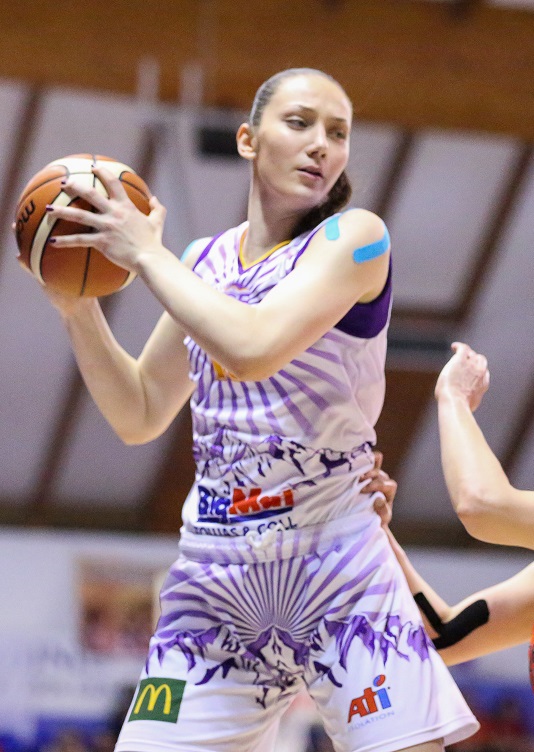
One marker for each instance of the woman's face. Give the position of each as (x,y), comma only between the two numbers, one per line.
(302,141)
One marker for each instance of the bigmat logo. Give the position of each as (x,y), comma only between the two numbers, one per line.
(371,701)
(244,505)
(158,700)
(256,505)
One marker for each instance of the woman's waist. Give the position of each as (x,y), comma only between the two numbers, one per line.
(267,542)
(250,510)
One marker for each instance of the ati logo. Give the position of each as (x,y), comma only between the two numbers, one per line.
(257,505)
(371,701)
(158,700)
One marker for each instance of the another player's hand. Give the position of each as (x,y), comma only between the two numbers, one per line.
(381,482)
(465,375)
(119,230)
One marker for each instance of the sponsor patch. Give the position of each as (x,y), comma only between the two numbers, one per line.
(244,505)
(371,701)
(158,699)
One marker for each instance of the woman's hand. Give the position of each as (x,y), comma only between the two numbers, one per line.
(381,482)
(67,305)
(466,375)
(119,230)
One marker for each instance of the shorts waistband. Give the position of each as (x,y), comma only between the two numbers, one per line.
(271,545)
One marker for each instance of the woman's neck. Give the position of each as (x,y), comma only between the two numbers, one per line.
(269,225)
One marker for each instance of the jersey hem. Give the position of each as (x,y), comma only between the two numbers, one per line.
(450,732)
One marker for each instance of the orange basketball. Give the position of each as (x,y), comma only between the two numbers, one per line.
(73,271)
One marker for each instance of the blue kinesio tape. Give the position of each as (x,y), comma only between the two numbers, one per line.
(367,252)
(331,228)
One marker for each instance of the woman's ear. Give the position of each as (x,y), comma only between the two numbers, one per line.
(246,141)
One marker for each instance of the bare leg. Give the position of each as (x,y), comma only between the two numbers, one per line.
(433,746)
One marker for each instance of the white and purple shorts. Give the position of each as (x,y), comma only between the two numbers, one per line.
(245,627)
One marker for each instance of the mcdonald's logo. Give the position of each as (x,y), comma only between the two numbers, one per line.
(158,700)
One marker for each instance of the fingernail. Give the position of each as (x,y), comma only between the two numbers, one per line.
(51,240)
(64,181)
(49,208)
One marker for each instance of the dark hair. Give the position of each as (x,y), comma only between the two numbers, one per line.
(341,191)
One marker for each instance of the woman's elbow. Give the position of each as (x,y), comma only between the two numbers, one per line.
(252,368)
(478,511)
(138,435)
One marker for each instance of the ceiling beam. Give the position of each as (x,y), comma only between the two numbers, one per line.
(484,256)
(24,132)
(414,64)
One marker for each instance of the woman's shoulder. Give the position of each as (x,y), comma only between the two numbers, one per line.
(360,230)
(360,222)
(193,251)
(201,246)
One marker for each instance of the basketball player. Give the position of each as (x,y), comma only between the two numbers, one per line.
(491,510)
(276,329)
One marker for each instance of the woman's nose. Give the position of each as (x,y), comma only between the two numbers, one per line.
(319,143)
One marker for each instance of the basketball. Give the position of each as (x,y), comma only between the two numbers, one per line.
(73,271)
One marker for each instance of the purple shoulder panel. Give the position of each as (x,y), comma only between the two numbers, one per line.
(366,320)
(207,249)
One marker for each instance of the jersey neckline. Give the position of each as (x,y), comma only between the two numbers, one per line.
(244,264)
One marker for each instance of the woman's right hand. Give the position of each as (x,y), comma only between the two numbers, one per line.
(66,305)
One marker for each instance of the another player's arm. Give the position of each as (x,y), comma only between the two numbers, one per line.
(510,607)
(490,508)
(253,342)
(138,397)
(492,619)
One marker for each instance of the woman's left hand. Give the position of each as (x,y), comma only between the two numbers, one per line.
(381,482)
(120,231)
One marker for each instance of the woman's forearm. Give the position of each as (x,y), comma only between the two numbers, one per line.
(109,372)
(477,484)
(416,582)
(218,323)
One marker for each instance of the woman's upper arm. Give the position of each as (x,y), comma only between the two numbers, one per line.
(329,279)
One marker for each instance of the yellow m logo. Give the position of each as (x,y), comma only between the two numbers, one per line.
(154,694)
(158,699)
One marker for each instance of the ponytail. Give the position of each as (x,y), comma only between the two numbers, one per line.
(338,197)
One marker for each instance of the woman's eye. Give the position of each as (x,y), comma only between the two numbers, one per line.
(297,122)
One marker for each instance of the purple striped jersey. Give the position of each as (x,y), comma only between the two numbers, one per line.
(286,451)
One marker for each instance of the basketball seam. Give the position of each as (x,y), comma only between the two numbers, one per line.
(78,172)
(42,242)
(88,251)
(37,228)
